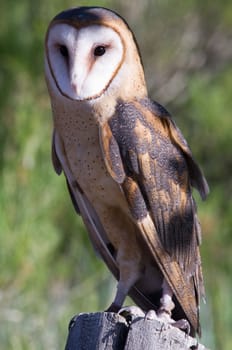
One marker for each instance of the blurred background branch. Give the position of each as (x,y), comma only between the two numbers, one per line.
(48,268)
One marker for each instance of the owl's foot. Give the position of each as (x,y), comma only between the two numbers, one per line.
(183,325)
(129,312)
(133,312)
(165,317)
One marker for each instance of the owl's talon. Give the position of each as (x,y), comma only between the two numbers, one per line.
(166,318)
(131,311)
(183,325)
(151,315)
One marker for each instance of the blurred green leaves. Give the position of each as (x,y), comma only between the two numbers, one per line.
(48,268)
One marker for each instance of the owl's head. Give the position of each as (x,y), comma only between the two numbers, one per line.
(91,52)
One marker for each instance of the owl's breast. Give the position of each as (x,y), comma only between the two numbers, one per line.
(88,167)
(78,126)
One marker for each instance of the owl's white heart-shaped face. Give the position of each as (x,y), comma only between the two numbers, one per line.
(83,61)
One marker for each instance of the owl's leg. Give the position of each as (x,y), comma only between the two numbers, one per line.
(122,291)
(129,274)
(166,303)
(166,307)
(121,232)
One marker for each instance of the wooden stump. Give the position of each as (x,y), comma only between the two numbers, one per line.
(110,331)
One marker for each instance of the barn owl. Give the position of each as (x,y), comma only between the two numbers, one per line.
(129,170)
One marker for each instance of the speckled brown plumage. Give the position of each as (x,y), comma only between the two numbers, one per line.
(157,182)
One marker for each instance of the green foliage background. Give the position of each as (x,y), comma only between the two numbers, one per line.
(48,271)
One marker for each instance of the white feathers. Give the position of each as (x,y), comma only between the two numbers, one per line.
(83,62)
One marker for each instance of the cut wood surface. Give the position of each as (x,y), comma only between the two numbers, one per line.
(101,331)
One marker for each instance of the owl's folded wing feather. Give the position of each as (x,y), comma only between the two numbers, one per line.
(196,176)
(148,157)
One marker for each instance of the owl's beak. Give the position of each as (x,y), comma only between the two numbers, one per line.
(74,87)
(77,77)
(73,79)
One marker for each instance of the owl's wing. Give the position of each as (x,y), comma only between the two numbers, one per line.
(147,155)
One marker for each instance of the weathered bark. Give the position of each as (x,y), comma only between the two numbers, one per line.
(101,331)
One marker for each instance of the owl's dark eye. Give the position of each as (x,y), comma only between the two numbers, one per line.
(63,50)
(99,51)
